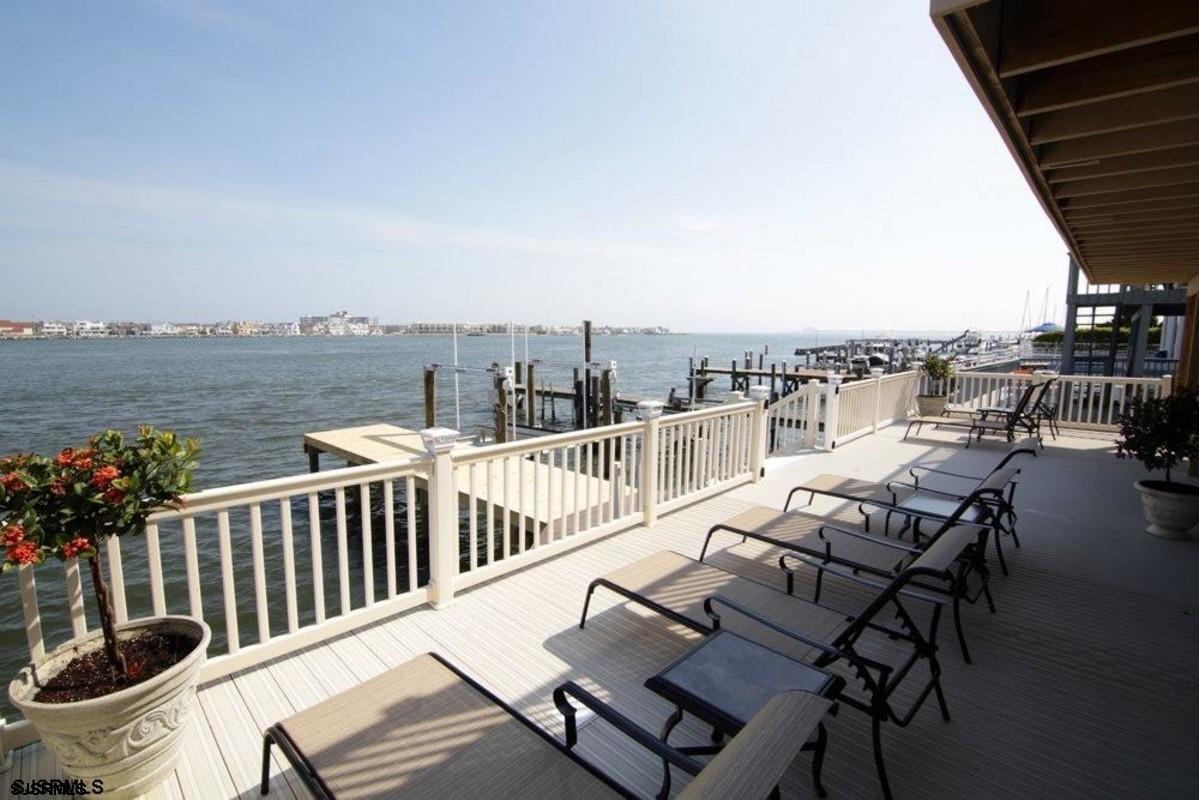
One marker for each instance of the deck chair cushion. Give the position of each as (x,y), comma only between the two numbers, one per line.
(680,585)
(420,730)
(754,761)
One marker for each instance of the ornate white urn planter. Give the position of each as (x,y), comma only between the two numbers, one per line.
(1171,509)
(129,739)
(931,405)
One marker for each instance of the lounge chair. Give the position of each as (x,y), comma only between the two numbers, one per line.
(977,425)
(830,544)
(1038,410)
(427,730)
(705,599)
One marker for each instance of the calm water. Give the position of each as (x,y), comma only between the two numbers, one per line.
(251,401)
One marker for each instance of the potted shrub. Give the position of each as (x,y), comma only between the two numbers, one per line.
(111,704)
(1160,433)
(937,372)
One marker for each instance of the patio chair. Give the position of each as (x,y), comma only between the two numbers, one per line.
(858,550)
(705,599)
(977,425)
(427,730)
(1038,410)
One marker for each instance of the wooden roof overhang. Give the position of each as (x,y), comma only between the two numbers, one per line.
(1098,101)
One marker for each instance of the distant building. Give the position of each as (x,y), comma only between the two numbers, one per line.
(431,328)
(54,329)
(86,329)
(10,329)
(164,329)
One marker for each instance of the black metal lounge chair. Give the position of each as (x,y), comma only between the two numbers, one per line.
(822,544)
(1037,412)
(705,599)
(427,730)
(977,425)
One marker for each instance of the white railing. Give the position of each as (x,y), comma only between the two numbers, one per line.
(793,422)
(1080,401)
(865,406)
(300,559)
(290,566)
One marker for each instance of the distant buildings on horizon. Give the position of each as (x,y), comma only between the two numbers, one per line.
(339,323)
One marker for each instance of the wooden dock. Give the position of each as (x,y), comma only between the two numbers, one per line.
(503,488)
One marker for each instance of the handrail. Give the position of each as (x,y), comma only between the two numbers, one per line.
(237,494)
(535,444)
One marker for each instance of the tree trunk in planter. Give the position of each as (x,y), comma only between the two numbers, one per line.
(108,623)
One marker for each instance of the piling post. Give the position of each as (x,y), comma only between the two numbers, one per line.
(443,515)
(314,459)
(757,444)
(531,395)
(430,397)
(588,412)
(502,411)
(650,412)
(606,396)
(577,402)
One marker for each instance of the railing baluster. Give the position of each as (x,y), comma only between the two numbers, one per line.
(489,467)
(473,515)
(318,569)
(191,560)
(75,599)
(609,511)
(289,565)
(343,554)
(368,554)
(154,561)
(264,627)
(228,589)
(410,516)
(505,527)
(32,613)
(116,578)
(389,535)
(535,515)
(582,454)
(562,490)
(520,501)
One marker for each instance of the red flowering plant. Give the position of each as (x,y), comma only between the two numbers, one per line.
(64,507)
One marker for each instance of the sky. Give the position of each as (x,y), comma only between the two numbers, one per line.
(708,166)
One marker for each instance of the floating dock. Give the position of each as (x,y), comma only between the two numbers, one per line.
(560,492)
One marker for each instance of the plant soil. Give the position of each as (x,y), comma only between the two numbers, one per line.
(1173,487)
(91,675)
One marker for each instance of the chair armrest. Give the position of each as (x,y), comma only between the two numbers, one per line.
(859,535)
(619,721)
(938,471)
(916,487)
(827,493)
(850,576)
(710,604)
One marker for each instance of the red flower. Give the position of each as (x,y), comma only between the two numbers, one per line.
(12,482)
(83,459)
(76,546)
(104,476)
(24,553)
(14,534)
(65,458)
(114,495)
(59,488)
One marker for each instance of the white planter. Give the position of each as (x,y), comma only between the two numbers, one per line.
(1170,514)
(129,739)
(931,405)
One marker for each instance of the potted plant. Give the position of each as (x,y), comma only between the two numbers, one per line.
(937,372)
(111,704)
(1160,432)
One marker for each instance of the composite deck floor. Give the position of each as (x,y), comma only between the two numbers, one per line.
(1084,683)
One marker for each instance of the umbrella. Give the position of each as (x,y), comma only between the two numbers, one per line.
(1045,327)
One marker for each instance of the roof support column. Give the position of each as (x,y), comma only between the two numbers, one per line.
(1067,365)
(1138,341)
(1188,369)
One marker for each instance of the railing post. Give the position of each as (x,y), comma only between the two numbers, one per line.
(757,445)
(443,515)
(649,412)
(5,752)
(876,374)
(832,392)
(812,412)
(1167,386)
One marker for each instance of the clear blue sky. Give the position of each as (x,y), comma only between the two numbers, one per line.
(757,166)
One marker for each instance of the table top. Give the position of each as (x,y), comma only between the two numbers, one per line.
(726,679)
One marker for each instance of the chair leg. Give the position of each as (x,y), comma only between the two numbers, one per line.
(957,626)
(586,605)
(819,585)
(265,786)
(674,719)
(818,760)
(880,767)
(999,551)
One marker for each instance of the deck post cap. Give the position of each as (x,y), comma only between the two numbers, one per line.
(877,371)
(833,377)
(439,440)
(649,409)
(734,397)
(759,393)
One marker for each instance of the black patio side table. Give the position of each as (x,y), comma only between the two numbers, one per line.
(726,679)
